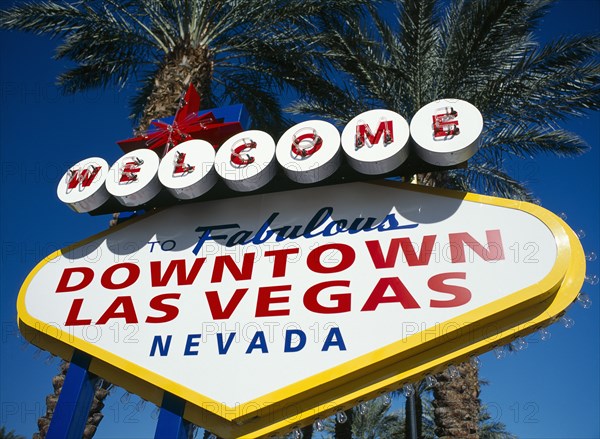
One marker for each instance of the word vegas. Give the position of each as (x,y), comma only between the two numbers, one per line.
(443,133)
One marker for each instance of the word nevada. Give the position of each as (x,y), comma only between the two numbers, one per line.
(443,133)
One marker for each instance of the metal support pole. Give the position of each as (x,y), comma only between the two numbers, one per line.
(75,399)
(170,421)
(411,416)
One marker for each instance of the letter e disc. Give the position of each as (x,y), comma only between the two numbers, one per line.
(376,141)
(188,170)
(446,132)
(82,187)
(246,161)
(133,179)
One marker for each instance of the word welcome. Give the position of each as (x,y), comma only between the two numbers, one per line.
(376,142)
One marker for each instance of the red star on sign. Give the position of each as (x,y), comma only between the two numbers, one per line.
(187,124)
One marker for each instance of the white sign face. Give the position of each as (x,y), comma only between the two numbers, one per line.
(82,187)
(133,179)
(376,142)
(238,305)
(309,152)
(188,170)
(246,162)
(446,132)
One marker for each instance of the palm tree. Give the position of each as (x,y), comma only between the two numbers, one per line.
(9,434)
(373,420)
(369,420)
(408,53)
(95,414)
(488,428)
(244,51)
(241,51)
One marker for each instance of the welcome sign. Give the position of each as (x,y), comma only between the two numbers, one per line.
(446,132)
(275,310)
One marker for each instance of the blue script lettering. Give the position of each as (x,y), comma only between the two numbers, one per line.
(319,225)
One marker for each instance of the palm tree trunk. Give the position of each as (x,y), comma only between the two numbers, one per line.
(456,404)
(94,416)
(418,416)
(51,400)
(180,68)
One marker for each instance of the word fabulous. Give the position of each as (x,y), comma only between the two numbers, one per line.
(444,133)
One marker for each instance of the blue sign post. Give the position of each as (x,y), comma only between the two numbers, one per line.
(75,400)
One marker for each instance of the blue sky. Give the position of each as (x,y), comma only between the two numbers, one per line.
(551,390)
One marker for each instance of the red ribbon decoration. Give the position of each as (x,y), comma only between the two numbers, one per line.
(186,125)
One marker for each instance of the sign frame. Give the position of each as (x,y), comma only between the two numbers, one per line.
(362,378)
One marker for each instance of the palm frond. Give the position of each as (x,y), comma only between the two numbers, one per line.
(526,141)
(483,51)
(419,39)
(50,18)
(264,44)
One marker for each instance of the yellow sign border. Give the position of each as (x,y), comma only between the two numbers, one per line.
(361,378)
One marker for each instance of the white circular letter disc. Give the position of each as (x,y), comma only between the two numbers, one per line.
(310,151)
(133,179)
(188,170)
(82,187)
(375,141)
(246,161)
(446,132)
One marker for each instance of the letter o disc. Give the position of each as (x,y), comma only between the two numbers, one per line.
(320,141)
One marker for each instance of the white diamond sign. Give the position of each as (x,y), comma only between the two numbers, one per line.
(269,311)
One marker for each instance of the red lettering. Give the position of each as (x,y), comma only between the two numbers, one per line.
(133,273)
(424,255)
(73,317)
(180,165)
(264,301)
(83,177)
(129,172)
(401,295)
(313,261)
(244,274)
(379,261)
(214,303)
(364,133)
(169,311)
(493,252)
(63,284)
(342,300)
(445,124)
(280,259)
(461,294)
(183,277)
(128,312)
